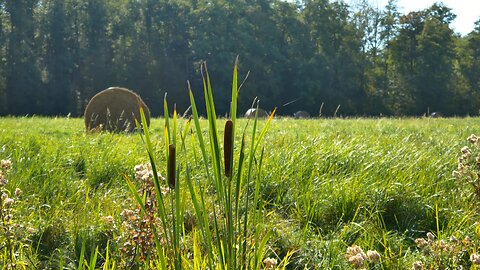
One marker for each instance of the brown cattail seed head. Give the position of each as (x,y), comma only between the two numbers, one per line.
(228,147)
(171,166)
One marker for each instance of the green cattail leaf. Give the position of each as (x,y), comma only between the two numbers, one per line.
(233,105)
(175,124)
(166,115)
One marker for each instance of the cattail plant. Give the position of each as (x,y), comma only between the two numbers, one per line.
(227,219)
(237,242)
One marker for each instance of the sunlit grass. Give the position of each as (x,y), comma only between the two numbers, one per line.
(325,185)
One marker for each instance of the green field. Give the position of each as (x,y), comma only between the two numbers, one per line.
(324,185)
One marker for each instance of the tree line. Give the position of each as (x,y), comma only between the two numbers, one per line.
(312,55)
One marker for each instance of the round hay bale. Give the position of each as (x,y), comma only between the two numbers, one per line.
(114,109)
(301,114)
(251,113)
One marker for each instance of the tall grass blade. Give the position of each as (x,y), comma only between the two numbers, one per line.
(198,131)
(216,157)
(199,205)
(81,260)
(260,247)
(233,104)
(167,117)
(93,258)
(213,136)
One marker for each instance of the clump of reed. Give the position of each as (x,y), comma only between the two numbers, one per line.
(228,230)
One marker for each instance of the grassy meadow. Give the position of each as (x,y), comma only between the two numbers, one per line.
(324,185)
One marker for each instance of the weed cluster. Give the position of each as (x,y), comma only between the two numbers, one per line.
(445,254)
(12,234)
(359,259)
(139,225)
(455,253)
(468,169)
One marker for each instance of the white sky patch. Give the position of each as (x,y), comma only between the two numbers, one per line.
(467,11)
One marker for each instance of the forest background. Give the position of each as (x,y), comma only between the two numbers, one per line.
(311,55)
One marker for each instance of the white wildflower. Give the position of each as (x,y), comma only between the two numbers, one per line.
(418,265)
(475,258)
(373,256)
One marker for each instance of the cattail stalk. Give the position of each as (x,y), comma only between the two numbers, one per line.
(228,147)
(171,166)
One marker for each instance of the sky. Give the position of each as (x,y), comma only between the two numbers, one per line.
(467,11)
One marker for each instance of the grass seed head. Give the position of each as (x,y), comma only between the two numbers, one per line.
(356,256)
(475,258)
(270,263)
(3,179)
(472,138)
(421,242)
(373,256)
(8,202)
(6,164)
(418,265)
(356,260)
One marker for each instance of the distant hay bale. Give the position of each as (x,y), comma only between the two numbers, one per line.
(251,113)
(301,114)
(114,109)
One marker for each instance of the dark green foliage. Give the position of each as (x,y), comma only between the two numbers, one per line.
(92,238)
(50,239)
(23,82)
(371,61)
